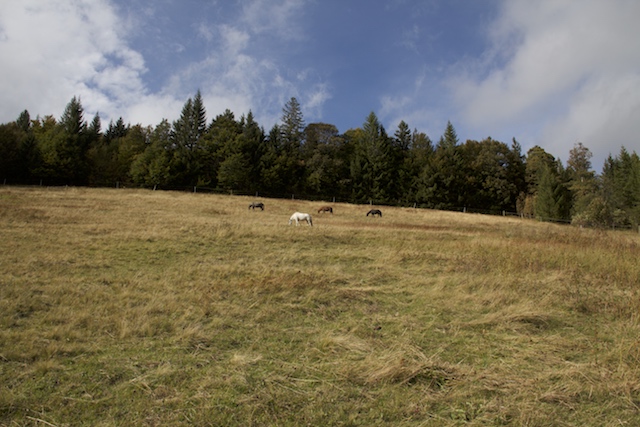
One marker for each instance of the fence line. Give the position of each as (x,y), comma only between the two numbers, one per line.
(302,196)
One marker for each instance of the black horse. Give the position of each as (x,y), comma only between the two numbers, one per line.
(374,212)
(255,205)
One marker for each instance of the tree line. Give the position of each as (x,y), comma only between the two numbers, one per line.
(364,164)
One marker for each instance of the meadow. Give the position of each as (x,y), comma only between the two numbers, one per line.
(123,307)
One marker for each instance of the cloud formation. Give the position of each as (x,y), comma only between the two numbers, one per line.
(85,48)
(561,72)
(549,72)
(56,49)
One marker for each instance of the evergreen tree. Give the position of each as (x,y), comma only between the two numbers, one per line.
(116,130)
(24,121)
(582,181)
(552,201)
(621,188)
(63,146)
(372,164)
(186,136)
(72,120)
(290,160)
(420,157)
(18,151)
(401,144)
(271,163)
(151,167)
(449,139)
(324,161)
(292,124)
(217,143)
(443,182)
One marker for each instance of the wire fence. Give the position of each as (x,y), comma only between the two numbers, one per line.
(308,197)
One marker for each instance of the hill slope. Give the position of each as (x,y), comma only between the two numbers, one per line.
(133,307)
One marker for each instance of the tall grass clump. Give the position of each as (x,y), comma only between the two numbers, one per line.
(133,307)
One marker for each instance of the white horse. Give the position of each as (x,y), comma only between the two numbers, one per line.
(298,216)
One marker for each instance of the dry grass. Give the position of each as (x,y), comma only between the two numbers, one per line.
(127,307)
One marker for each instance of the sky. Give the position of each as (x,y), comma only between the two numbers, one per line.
(552,73)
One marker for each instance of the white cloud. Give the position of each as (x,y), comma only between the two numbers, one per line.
(83,48)
(277,16)
(55,50)
(570,69)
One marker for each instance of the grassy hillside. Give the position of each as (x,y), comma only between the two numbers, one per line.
(132,307)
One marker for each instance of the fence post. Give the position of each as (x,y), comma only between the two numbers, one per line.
(194,189)
(292,197)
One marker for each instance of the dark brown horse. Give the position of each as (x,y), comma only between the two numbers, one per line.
(326,209)
(255,205)
(374,212)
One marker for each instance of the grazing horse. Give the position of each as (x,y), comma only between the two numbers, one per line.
(298,216)
(374,212)
(326,209)
(255,205)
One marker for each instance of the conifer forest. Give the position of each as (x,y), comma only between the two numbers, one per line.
(314,161)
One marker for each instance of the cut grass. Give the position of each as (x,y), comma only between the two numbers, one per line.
(133,307)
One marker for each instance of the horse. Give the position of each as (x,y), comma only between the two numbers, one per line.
(255,205)
(298,216)
(326,209)
(374,212)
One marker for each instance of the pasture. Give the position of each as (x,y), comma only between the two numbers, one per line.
(132,307)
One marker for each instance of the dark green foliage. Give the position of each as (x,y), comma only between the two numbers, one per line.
(372,172)
(490,172)
(117,130)
(316,161)
(621,187)
(552,200)
(151,166)
(582,180)
(441,183)
(324,158)
(186,134)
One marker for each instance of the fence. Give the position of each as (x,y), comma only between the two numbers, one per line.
(301,196)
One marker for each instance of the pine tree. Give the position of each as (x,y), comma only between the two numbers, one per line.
(186,136)
(372,165)
(72,119)
(290,160)
(116,130)
(292,123)
(582,182)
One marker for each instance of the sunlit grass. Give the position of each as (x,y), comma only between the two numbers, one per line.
(133,307)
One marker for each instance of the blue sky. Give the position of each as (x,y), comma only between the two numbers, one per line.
(547,72)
